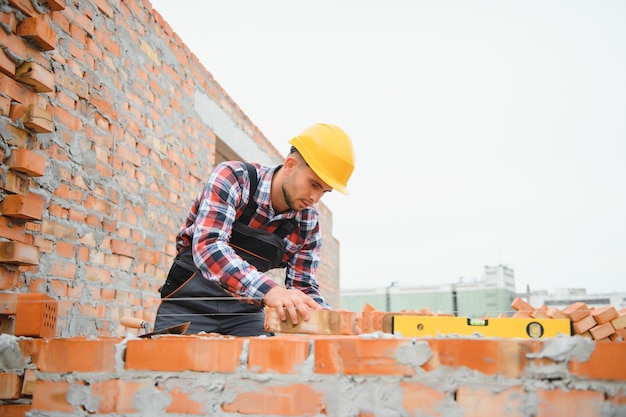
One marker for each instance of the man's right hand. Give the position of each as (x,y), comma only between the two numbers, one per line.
(290,302)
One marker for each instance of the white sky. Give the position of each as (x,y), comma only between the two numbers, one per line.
(486,132)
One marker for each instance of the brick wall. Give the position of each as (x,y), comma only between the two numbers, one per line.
(104,145)
(298,375)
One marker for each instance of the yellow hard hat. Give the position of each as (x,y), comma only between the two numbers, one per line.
(328,151)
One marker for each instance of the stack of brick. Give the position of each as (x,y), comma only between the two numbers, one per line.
(605,324)
(25,315)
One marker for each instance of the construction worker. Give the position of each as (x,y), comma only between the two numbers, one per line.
(247,220)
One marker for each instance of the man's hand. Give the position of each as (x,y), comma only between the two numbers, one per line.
(291,302)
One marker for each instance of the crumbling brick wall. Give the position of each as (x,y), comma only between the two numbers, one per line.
(103,149)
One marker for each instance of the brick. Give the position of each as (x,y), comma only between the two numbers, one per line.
(576,311)
(280,354)
(540,314)
(13,182)
(320,322)
(569,403)
(121,247)
(619,322)
(78,354)
(601,331)
(7,324)
(10,386)
(28,207)
(7,65)
(422,400)
(38,120)
(24,6)
(8,278)
(36,315)
(36,76)
(260,398)
(555,313)
(356,356)
(28,384)
(17,91)
(604,314)
(8,303)
(5,107)
(18,253)
(27,162)
(487,356)
(52,396)
(606,363)
(177,353)
(584,324)
(480,401)
(56,5)
(519,304)
(38,30)
(14,410)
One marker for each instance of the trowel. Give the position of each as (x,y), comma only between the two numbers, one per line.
(137,323)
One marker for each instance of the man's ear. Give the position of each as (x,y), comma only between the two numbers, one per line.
(290,163)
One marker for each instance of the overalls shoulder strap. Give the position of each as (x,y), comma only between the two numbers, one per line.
(286,227)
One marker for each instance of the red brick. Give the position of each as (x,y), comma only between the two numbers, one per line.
(182,353)
(28,207)
(10,229)
(8,278)
(10,386)
(14,410)
(78,354)
(584,324)
(320,322)
(571,403)
(7,66)
(39,31)
(14,182)
(356,356)
(488,356)
(576,311)
(475,401)
(24,6)
(38,120)
(604,314)
(602,331)
(27,162)
(260,398)
(286,355)
(18,253)
(52,396)
(422,400)
(56,5)
(36,76)
(121,247)
(607,362)
(619,322)
(521,305)
(35,315)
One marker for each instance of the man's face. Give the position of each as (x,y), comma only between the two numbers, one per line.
(302,187)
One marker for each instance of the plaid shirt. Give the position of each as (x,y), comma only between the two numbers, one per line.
(208,229)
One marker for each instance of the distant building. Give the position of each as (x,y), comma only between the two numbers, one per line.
(563,297)
(490,296)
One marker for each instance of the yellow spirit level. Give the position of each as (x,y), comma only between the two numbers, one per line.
(497,327)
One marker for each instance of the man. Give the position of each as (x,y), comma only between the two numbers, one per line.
(249,219)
